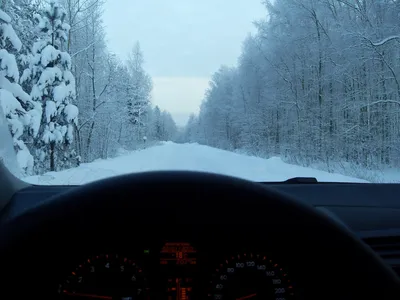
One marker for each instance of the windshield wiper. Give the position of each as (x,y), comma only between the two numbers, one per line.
(296,180)
(301,180)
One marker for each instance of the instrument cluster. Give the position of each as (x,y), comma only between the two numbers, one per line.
(177,271)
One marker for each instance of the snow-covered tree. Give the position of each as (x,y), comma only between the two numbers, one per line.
(139,91)
(20,111)
(157,124)
(22,14)
(93,66)
(169,127)
(54,88)
(67,71)
(190,132)
(317,83)
(163,127)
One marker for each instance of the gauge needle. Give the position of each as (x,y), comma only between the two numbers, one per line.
(88,295)
(247,297)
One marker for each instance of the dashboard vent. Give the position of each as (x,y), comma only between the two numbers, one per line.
(388,248)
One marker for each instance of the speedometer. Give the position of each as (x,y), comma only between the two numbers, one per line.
(106,277)
(247,276)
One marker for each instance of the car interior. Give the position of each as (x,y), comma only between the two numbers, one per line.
(193,235)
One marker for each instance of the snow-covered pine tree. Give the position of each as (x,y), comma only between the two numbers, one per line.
(21,113)
(54,88)
(169,127)
(158,128)
(139,92)
(22,13)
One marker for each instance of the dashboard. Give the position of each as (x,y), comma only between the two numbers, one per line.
(199,236)
(177,271)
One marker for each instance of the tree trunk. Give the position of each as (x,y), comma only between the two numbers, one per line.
(52,157)
(89,140)
(94,100)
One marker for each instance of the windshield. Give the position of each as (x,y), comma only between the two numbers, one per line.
(262,90)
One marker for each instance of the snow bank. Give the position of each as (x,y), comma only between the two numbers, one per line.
(171,156)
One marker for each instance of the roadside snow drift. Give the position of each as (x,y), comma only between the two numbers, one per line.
(194,157)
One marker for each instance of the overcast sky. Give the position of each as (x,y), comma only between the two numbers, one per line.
(183,41)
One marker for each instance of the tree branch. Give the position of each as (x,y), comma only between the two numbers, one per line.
(83,50)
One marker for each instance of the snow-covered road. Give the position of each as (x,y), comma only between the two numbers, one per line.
(171,156)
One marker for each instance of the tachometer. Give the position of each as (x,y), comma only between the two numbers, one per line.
(105,277)
(248,276)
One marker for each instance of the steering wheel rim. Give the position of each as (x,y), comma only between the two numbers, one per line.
(118,197)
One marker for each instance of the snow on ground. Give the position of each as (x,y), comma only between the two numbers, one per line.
(195,157)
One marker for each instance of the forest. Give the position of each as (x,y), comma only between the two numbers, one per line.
(317,84)
(67,99)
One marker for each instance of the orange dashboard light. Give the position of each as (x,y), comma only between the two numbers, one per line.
(183,294)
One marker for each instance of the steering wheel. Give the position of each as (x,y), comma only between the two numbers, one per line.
(333,262)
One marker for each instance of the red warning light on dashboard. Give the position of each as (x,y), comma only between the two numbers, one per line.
(178,253)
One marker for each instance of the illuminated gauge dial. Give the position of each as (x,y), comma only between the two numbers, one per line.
(105,277)
(252,277)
